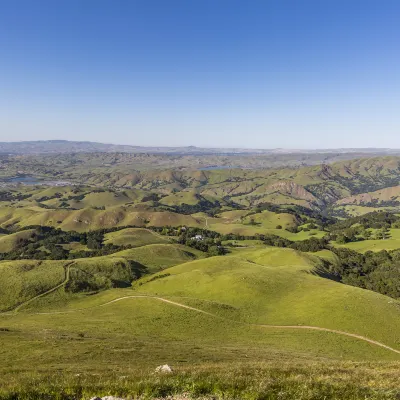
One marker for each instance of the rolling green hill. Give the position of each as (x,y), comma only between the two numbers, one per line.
(263,287)
(91,299)
(91,219)
(10,242)
(275,287)
(134,237)
(21,281)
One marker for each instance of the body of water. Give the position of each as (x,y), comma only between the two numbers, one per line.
(27,180)
(31,181)
(217,167)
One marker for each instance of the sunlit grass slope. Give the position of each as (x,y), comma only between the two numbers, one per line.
(114,330)
(156,257)
(277,286)
(10,242)
(23,280)
(135,237)
(92,219)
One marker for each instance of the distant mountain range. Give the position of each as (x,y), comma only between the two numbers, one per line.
(65,146)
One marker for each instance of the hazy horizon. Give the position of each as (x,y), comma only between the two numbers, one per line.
(205,147)
(234,74)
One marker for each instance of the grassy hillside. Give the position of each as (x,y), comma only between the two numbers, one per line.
(312,186)
(156,257)
(10,242)
(135,299)
(183,197)
(134,237)
(258,305)
(91,219)
(275,286)
(263,287)
(390,194)
(23,280)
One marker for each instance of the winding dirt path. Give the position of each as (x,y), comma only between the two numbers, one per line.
(66,279)
(176,304)
(315,328)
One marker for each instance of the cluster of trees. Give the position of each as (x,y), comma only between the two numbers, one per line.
(358,233)
(11,196)
(203,240)
(47,244)
(309,245)
(375,220)
(378,271)
(382,203)
(45,198)
(360,228)
(203,205)
(358,183)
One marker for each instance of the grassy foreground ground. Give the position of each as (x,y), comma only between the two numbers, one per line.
(244,380)
(233,327)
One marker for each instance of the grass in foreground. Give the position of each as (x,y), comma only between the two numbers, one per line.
(285,380)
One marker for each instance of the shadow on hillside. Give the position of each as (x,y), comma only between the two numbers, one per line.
(323,272)
(137,269)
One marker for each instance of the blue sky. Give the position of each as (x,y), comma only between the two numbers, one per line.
(256,74)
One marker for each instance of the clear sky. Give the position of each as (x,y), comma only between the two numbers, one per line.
(250,73)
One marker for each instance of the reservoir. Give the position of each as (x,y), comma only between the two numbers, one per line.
(26,180)
(212,167)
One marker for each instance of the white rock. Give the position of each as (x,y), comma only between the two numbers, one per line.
(111,398)
(165,369)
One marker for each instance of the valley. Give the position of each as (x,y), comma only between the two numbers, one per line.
(124,267)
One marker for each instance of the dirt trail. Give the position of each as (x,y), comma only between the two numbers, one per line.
(174,303)
(316,328)
(66,279)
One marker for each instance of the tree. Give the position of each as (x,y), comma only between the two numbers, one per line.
(342,239)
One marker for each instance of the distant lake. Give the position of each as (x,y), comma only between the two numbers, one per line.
(31,181)
(217,167)
(27,180)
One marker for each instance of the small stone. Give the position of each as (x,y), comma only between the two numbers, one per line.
(165,369)
(111,398)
